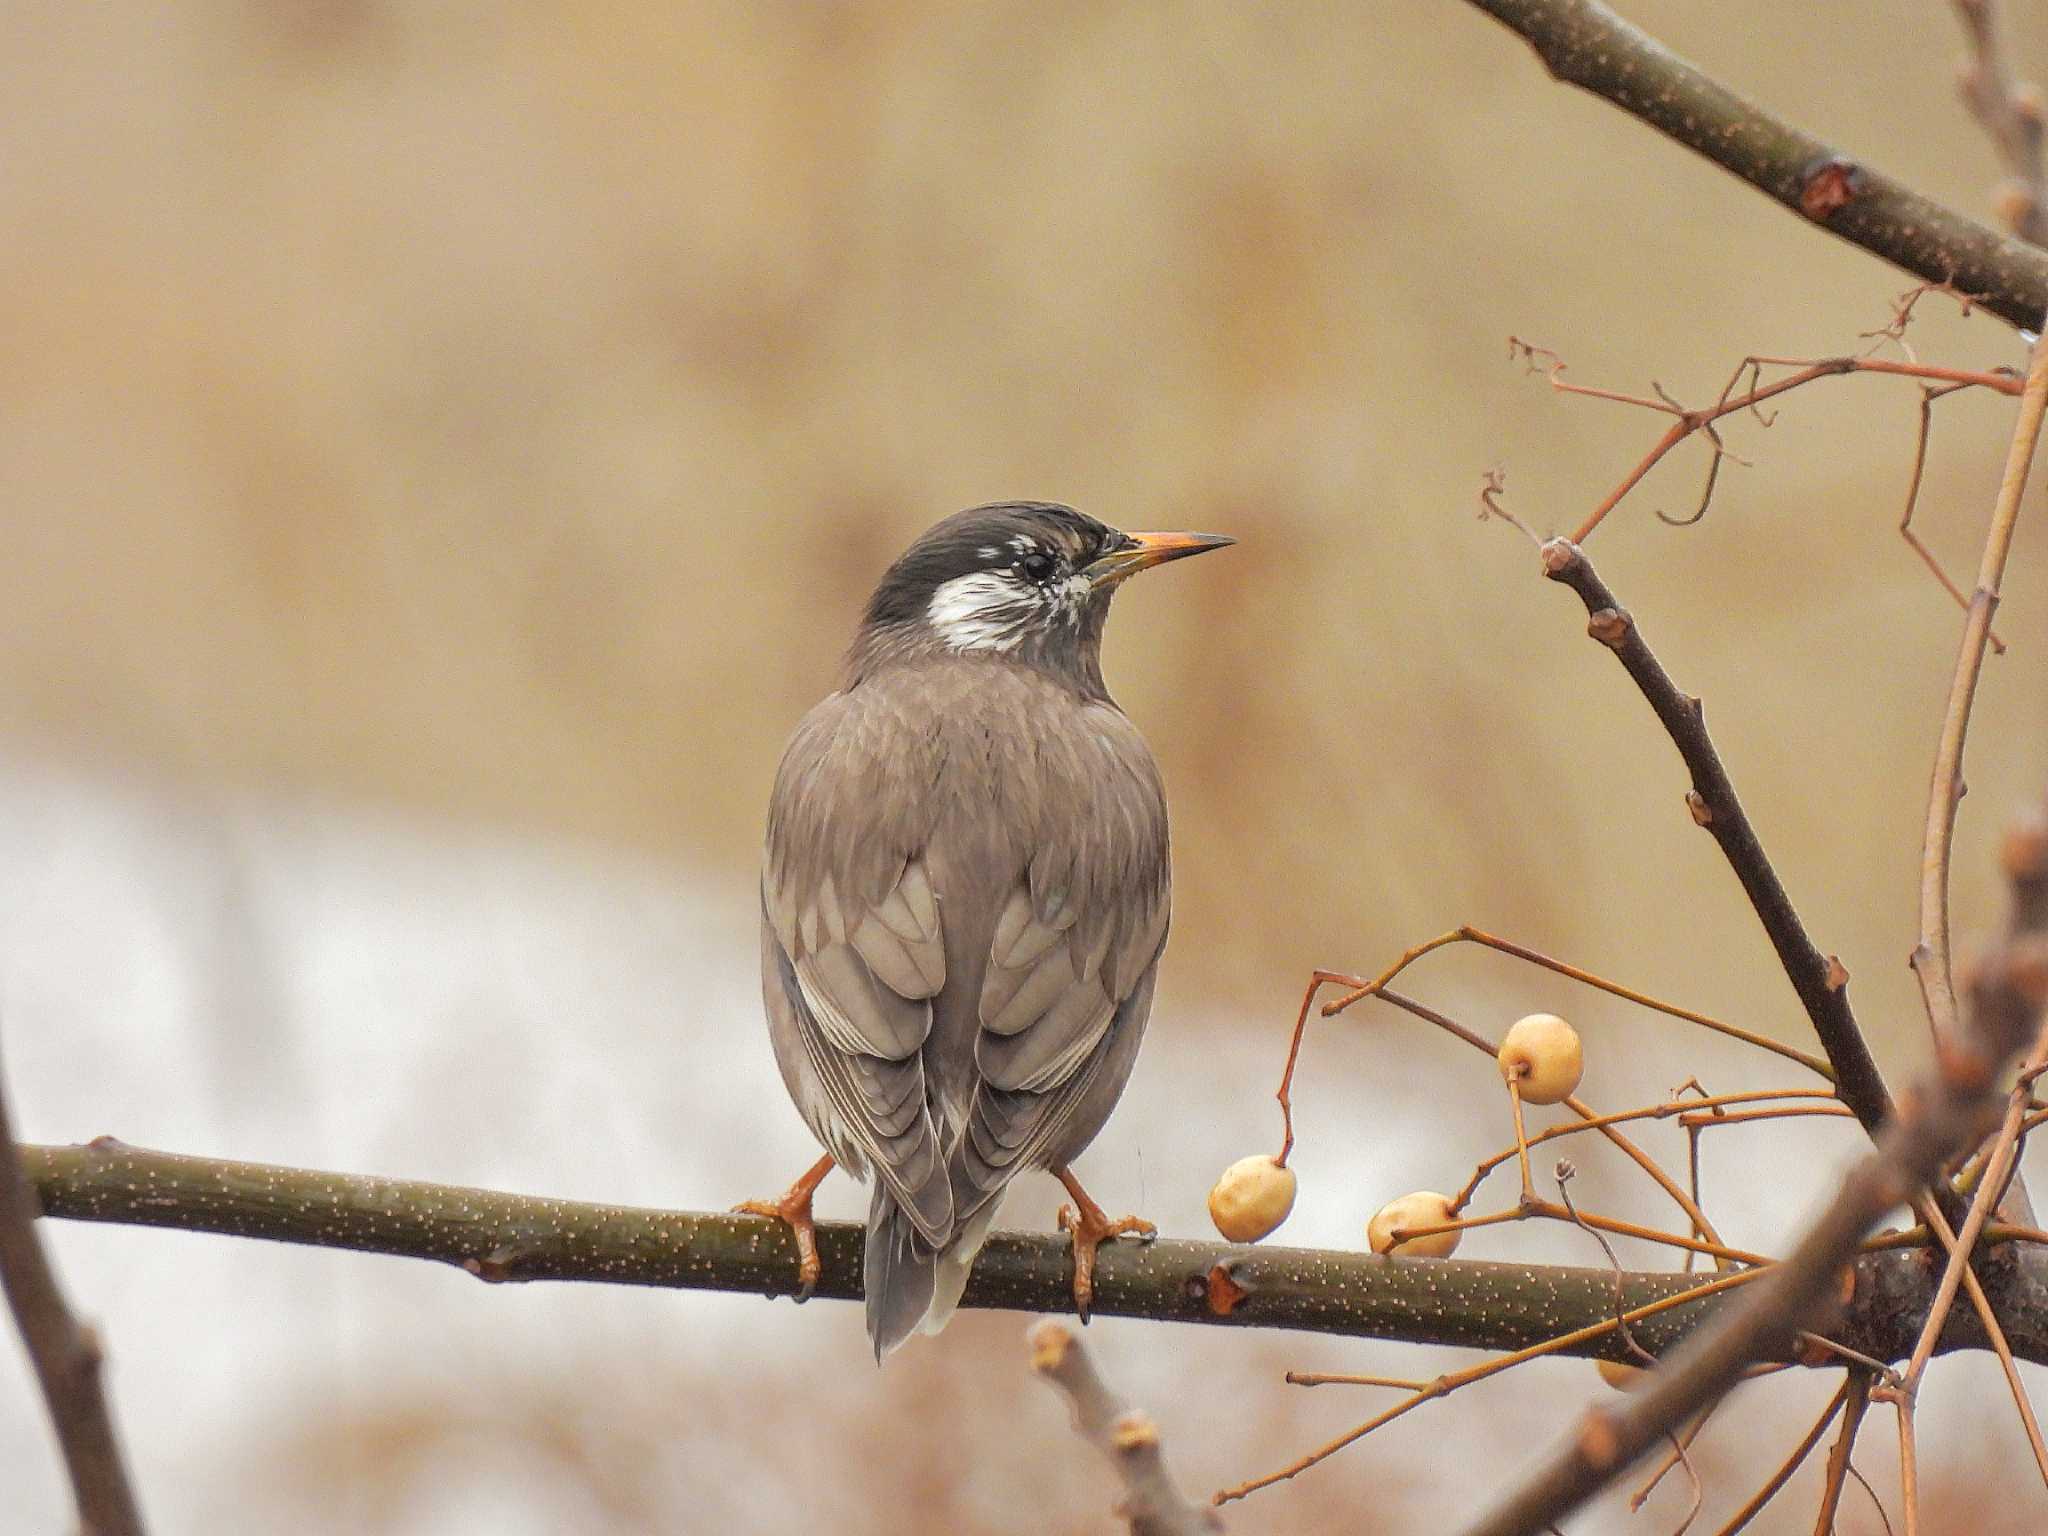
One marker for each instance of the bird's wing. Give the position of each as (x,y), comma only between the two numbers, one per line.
(857,923)
(1075,943)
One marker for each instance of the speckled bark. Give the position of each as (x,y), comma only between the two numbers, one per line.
(1585,44)
(507,1237)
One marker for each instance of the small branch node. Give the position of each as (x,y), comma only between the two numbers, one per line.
(1610,626)
(1828,186)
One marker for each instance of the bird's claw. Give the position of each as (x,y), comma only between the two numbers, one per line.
(1090,1228)
(797,1217)
(793,1210)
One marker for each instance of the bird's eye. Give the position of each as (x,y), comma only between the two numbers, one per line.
(1036,566)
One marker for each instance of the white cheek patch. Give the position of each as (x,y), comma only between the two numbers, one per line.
(982,611)
(1074,593)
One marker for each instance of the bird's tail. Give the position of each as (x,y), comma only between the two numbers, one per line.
(899,1273)
(911,1286)
(955,1262)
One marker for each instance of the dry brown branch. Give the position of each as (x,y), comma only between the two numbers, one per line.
(1820,981)
(2011,115)
(1443,1386)
(1961,1246)
(1701,420)
(1941,1120)
(66,1356)
(1672,1458)
(1583,43)
(1844,1447)
(1534,1207)
(1152,1504)
(1791,1464)
(1682,1108)
(1928,395)
(1576,1105)
(1994,1333)
(1470,935)
(1909,1469)
(1931,961)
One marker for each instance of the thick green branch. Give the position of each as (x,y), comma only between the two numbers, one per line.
(1585,44)
(522,1237)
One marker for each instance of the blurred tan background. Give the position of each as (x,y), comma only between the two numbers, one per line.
(446,438)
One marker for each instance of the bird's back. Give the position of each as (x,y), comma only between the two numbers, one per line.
(1002,782)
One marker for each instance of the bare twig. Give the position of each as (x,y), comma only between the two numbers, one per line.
(1791,1464)
(66,1356)
(1944,1118)
(2011,115)
(1821,982)
(1152,1504)
(1682,1108)
(1687,421)
(1576,1105)
(2004,1152)
(1585,44)
(1928,395)
(1470,935)
(1994,1333)
(1931,955)
(1844,1447)
(1909,1469)
(1444,1385)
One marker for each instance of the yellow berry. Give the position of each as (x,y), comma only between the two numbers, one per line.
(1252,1197)
(1424,1208)
(1541,1057)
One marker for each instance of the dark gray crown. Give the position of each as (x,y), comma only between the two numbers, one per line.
(1004,535)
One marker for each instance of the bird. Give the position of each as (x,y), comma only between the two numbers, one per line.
(965,894)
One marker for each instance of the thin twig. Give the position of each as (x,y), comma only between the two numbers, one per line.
(2011,115)
(1791,1464)
(1821,982)
(1909,1468)
(1931,961)
(2004,1151)
(1664,1111)
(1470,935)
(1677,1453)
(1153,1504)
(1945,1117)
(1443,1386)
(1928,395)
(66,1356)
(1532,1207)
(1994,1333)
(1844,1447)
(1316,983)
(1576,1105)
(1806,370)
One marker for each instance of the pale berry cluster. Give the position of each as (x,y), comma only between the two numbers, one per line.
(1541,1062)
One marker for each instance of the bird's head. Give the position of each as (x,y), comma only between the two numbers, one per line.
(1029,580)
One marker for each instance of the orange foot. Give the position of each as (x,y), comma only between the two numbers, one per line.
(1090,1229)
(794,1211)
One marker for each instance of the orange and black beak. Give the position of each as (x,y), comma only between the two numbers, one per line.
(1145,550)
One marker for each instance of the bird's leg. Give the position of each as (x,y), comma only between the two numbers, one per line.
(1090,1229)
(794,1211)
